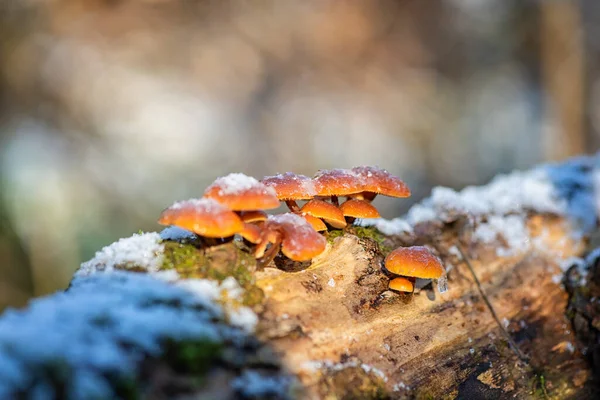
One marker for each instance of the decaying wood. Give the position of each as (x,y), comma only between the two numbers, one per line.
(330,328)
(431,345)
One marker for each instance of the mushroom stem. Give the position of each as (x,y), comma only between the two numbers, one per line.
(270,254)
(292,205)
(209,242)
(335,201)
(369,196)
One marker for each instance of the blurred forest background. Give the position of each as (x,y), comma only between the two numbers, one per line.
(112,109)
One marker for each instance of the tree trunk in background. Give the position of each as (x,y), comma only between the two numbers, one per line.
(563,78)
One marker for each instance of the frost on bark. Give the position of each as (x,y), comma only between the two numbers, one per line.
(161,317)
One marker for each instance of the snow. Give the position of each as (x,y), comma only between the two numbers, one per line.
(140,251)
(252,384)
(103,325)
(303,185)
(290,219)
(237,183)
(326,364)
(331,282)
(203,205)
(510,228)
(499,209)
(176,233)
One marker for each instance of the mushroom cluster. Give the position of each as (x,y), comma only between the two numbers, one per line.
(411,263)
(235,205)
(360,185)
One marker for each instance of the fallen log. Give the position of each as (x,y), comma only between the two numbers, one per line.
(329,328)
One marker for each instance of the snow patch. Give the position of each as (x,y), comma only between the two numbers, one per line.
(178,234)
(252,384)
(499,209)
(102,326)
(237,183)
(138,251)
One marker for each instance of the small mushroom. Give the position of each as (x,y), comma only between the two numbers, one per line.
(251,233)
(379,181)
(355,208)
(296,237)
(291,187)
(254,216)
(316,223)
(300,241)
(337,182)
(240,192)
(326,211)
(402,284)
(414,262)
(205,217)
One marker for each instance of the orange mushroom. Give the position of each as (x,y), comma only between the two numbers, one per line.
(326,211)
(240,192)
(355,208)
(414,262)
(337,182)
(296,237)
(316,223)
(254,216)
(379,181)
(205,217)
(291,187)
(402,284)
(252,233)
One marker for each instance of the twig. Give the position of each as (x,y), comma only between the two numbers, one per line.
(511,342)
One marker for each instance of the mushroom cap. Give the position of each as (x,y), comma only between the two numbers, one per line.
(326,211)
(337,182)
(290,186)
(416,261)
(401,284)
(316,223)
(300,242)
(359,209)
(253,216)
(251,233)
(377,180)
(205,217)
(241,192)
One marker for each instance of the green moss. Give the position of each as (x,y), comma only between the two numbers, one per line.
(192,357)
(538,386)
(370,232)
(126,387)
(333,234)
(216,263)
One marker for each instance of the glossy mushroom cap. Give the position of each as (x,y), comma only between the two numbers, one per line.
(290,186)
(300,242)
(337,182)
(380,181)
(416,261)
(205,217)
(355,208)
(251,233)
(240,192)
(253,216)
(326,211)
(316,223)
(401,284)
